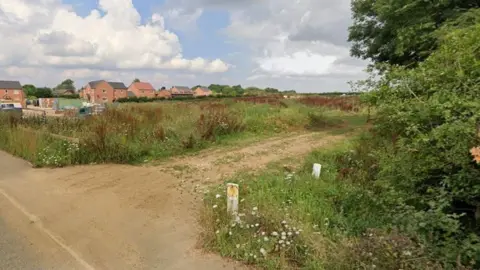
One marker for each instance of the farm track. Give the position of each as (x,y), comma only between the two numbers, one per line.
(128,217)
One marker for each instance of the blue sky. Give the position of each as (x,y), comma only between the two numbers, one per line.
(285,44)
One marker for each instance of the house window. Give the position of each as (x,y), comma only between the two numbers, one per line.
(6,91)
(143,91)
(104,91)
(104,99)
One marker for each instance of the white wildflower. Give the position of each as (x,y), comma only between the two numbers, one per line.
(218,196)
(263,251)
(407,253)
(265,239)
(238,246)
(255,208)
(288,243)
(256,225)
(280,241)
(283,234)
(262,233)
(289,233)
(215,206)
(284,237)
(217,232)
(274,234)
(229,233)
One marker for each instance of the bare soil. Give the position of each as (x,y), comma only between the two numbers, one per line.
(130,217)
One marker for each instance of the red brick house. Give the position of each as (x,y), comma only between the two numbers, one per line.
(11,91)
(181,91)
(164,93)
(103,91)
(202,92)
(142,89)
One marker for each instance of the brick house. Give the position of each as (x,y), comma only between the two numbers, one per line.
(181,91)
(11,91)
(164,93)
(202,92)
(142,89)
(102,91)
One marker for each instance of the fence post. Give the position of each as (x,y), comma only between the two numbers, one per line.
(232,200)
(317,169)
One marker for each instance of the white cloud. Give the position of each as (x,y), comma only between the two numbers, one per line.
(48,33)
(299,63)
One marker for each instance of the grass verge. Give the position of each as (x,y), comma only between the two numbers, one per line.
(290,220)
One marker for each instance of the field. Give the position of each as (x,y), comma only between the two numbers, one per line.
(138,133)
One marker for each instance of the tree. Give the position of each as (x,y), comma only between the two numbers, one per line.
(43,92)
(428,119)
(163,88)
(30,90)
(67,84)
(136,80)
(400,32)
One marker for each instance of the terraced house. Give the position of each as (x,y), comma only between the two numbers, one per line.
(11,91)
(181,91)
(102,91)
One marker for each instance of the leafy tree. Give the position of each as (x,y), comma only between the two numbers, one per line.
(29,89)
(43,92)
(163,88)
(271,90)
(400,32)
(432,115)
(67,84)
(136,80)
(196,86)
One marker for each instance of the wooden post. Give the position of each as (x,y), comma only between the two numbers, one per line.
(232,200)
(317,169)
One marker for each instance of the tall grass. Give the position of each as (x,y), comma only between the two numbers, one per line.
(134,133)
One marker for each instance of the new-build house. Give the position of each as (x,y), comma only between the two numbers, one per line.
(181,91)
(202,92)
(11,91)
(164,93)
(102,91)
(142,89)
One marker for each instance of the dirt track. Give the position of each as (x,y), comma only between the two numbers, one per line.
(127,217)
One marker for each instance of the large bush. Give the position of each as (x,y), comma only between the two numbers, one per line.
(431,116)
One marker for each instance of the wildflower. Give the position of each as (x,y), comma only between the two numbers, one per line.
(288,243)
(263,251)
(256,225)
(233,224)
(280,241)
(283,234)
(297,232)
(262,233)
(217,232)
(218,196)
(284,222)
(254,213)
(218,220)
(248,226)
(229,233)
(238,246)
(255,208)
(254,256)
(284,237)
(289,233)
(407,253)
(215,206)
(274,234)
(242,200)
(265,239)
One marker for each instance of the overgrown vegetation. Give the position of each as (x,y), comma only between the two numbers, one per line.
(406,194)
(133,133)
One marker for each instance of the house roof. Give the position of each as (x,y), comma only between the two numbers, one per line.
(204,89)
(114,85)
(63,91)
(118,85)
(183,90)
(143,86)
(10,85)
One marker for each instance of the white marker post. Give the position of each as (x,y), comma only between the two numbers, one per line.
(317,169)
(232,200)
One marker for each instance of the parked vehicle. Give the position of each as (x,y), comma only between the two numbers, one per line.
(15,108)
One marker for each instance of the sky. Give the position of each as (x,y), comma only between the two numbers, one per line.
(285,44)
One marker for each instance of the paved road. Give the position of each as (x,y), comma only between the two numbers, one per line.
(23,244)
(15,251)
